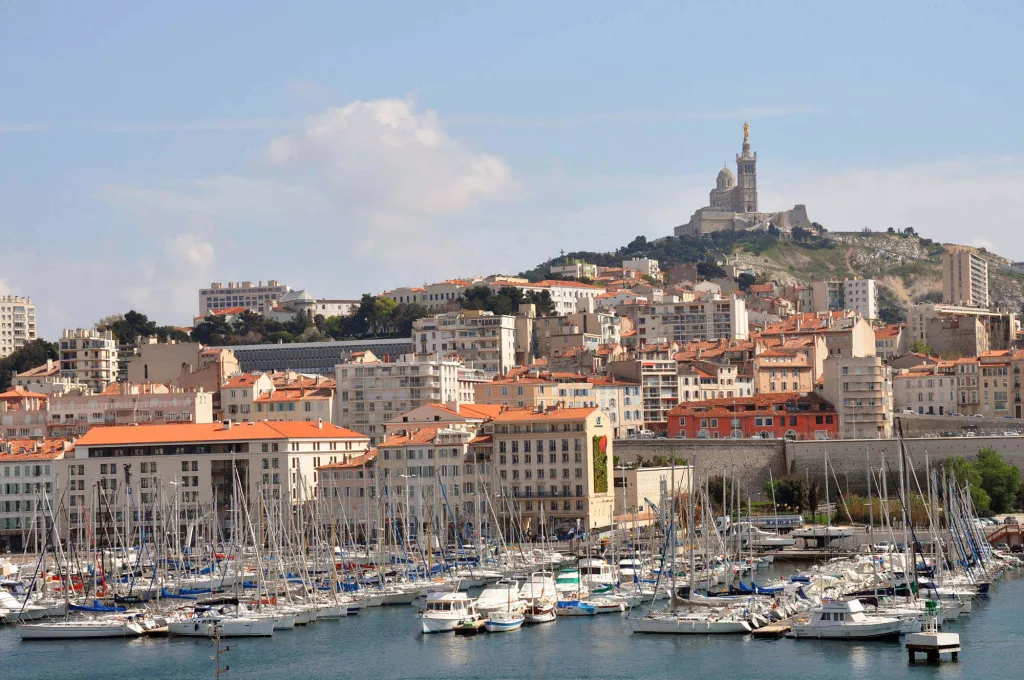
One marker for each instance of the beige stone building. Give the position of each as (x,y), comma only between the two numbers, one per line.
(17,323)
(47,379)
(634,487)
(784,369)
(259,297)
(860,390)
(28,479)
(554,467)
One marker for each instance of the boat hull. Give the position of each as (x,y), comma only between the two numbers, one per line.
(685,626)
(228,628)
(72,631)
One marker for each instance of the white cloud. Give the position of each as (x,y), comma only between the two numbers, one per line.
(384,156)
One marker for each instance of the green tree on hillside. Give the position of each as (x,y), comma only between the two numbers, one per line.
(32,354)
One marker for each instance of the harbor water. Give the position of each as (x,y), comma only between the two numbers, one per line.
(385,643)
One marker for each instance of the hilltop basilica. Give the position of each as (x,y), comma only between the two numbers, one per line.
(734,202)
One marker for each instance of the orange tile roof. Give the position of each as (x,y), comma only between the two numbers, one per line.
(19,392)
(520,414)
(14,450)
(423,435)
(295,394)
(564,284)
(888,331)
(42,370)
(242,380)
(356,462)
(128,435)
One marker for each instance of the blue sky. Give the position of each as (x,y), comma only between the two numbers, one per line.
(150,148)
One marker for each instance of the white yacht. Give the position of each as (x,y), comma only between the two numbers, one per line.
(226,614)
(753,537)
(502,621)
(444,611)
(597,575)
(844,620)
(502,596)
(80,630)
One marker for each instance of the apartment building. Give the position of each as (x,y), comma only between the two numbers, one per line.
(575,269)
(74,414)
(645,266)
(278,396)
(435,296)
(926,389)
(372,392)
(856,295)
(968,386)
(860,388)
(554,467)
(28,478)
(621,403)
(997,383)
(89,357)
(482,340)
(784,369)
(191,471)
(350,488)
(710,317)
(658,376)
(420,469)
(17,323)
(793,416)
(964,278)
(890,341)
(259,297)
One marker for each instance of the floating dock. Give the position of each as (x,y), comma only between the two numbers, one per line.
(774,630)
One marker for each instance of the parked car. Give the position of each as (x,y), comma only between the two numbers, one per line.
(1011,520)
(1002,546)
(908,411)
(978,415)
(1011,434)
(1018,548)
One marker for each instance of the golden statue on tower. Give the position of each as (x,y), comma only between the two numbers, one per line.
(746,132)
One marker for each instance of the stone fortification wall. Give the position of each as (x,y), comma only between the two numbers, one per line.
(922,426)
(745,459)
(849,458)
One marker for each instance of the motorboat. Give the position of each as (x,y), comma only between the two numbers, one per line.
(502,621)
(444,611)
(226,616)
(575,608)
(753,537)
(844,620)
(596,574)
(501,596)
(80,630)
(568,582)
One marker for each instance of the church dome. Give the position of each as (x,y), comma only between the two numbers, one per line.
(726,180)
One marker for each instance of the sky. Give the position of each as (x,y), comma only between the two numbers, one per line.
(147,149)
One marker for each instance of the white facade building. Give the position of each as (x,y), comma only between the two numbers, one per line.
(371,392)
(483,340)
(645,265)
(858,295)
(258,298)
(710,317)
(89,357)
(17,323)
(190,471)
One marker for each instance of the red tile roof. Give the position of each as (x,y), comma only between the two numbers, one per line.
(15,450)
(356,462)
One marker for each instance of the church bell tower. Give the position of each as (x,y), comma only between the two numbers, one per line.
(746,176)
